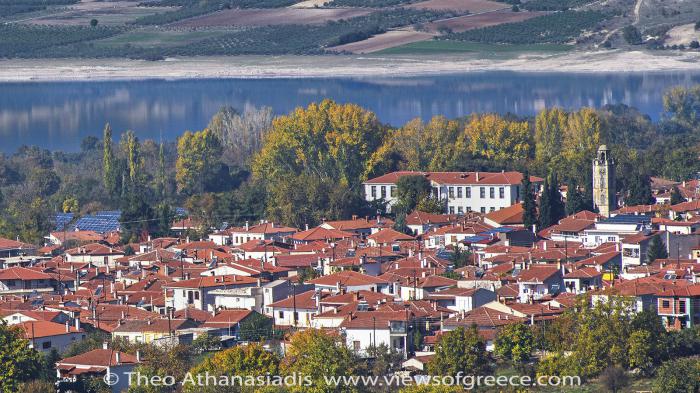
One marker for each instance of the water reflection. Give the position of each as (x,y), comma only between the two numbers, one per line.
(59,115)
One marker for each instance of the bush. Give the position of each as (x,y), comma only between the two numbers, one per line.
(678,376)
(694,45)
(632,35)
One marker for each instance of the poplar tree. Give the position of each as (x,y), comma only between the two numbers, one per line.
(109,175)
(528,198)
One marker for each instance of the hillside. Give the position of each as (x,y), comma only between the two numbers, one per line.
(157,29)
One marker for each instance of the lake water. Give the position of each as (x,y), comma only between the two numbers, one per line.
(59,115)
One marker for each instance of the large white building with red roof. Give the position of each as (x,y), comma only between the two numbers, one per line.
(464,191)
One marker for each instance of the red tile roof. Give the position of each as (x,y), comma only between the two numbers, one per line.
(100,357)
(463,178)
(39,329)
(511,215)
(213,281)
(23,273)
(388,235)
(347,278)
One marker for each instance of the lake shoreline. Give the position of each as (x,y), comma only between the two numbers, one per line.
(350,66)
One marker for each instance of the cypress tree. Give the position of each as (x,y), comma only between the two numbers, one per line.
(574,198)
(108,162)
(545,210)
(555,199)
(528,198)
(639,190)
(676,197)
(656,250)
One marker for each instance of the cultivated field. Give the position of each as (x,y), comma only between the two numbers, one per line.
(106,12)
(147,38)
(473,6)
(386,40)
(468,22)
(682,35)
(271,16)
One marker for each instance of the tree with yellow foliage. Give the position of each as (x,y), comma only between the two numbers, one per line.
(315,353)
(493,137)
(198,161)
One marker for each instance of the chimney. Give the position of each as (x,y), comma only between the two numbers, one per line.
(477,175)
(117,357)
(247,226)
(67,327)
(77,323)
(138,356)
(105,345)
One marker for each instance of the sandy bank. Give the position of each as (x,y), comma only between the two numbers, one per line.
(340,66)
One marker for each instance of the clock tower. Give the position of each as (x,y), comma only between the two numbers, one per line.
(604,182)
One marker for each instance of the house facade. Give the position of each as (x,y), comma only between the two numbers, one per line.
(462,192)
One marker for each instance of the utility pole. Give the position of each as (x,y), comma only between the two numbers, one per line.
(294,303)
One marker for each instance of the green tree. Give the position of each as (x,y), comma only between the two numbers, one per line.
(19,362)
(198,161)
(93,22)
(430,204)
(44,182)
(70,205)
(206,342)
(110,177)
(641,351)
(632,35)
(172,360)
(575,201)
(515,342)
(529,204)
(460,350)
(410,190)
(682,105)
(676,197)
(318,354)
(545,215)
(255,328)
(242,360)
(639,192)
(656,250)
(678,376)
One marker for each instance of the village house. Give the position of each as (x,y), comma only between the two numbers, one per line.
(538,281)
(296,310)
(96,254)
(365,329)
(679,308)
(98,363)
(196,292)
(45,335)
(463,191)
(151,331)
(22,280)
(462,299)
(263,231)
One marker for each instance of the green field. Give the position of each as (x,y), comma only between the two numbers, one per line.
(444,46)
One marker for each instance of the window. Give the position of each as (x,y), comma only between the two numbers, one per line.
(392,191)
(665,304)
(469,209)
(501,192)
(374,192)
(611,238)
(681,306)
(517,192)
(460,210)
(46,345)
(451,192)
(482,192)
(196,295)
(452,210)
(383,190)
(492,209)
(356,346)
(459,192)
(492,192)
(468,190)
(483,210)
(280,314)
(10,283)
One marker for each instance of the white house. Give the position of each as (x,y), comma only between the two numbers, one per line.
(365,329)
(197,292)
(462,299)
(538,281)
(45,336)
(613,229)
(463,191)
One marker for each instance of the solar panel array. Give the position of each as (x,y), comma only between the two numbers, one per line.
(100,222)
(61,220)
